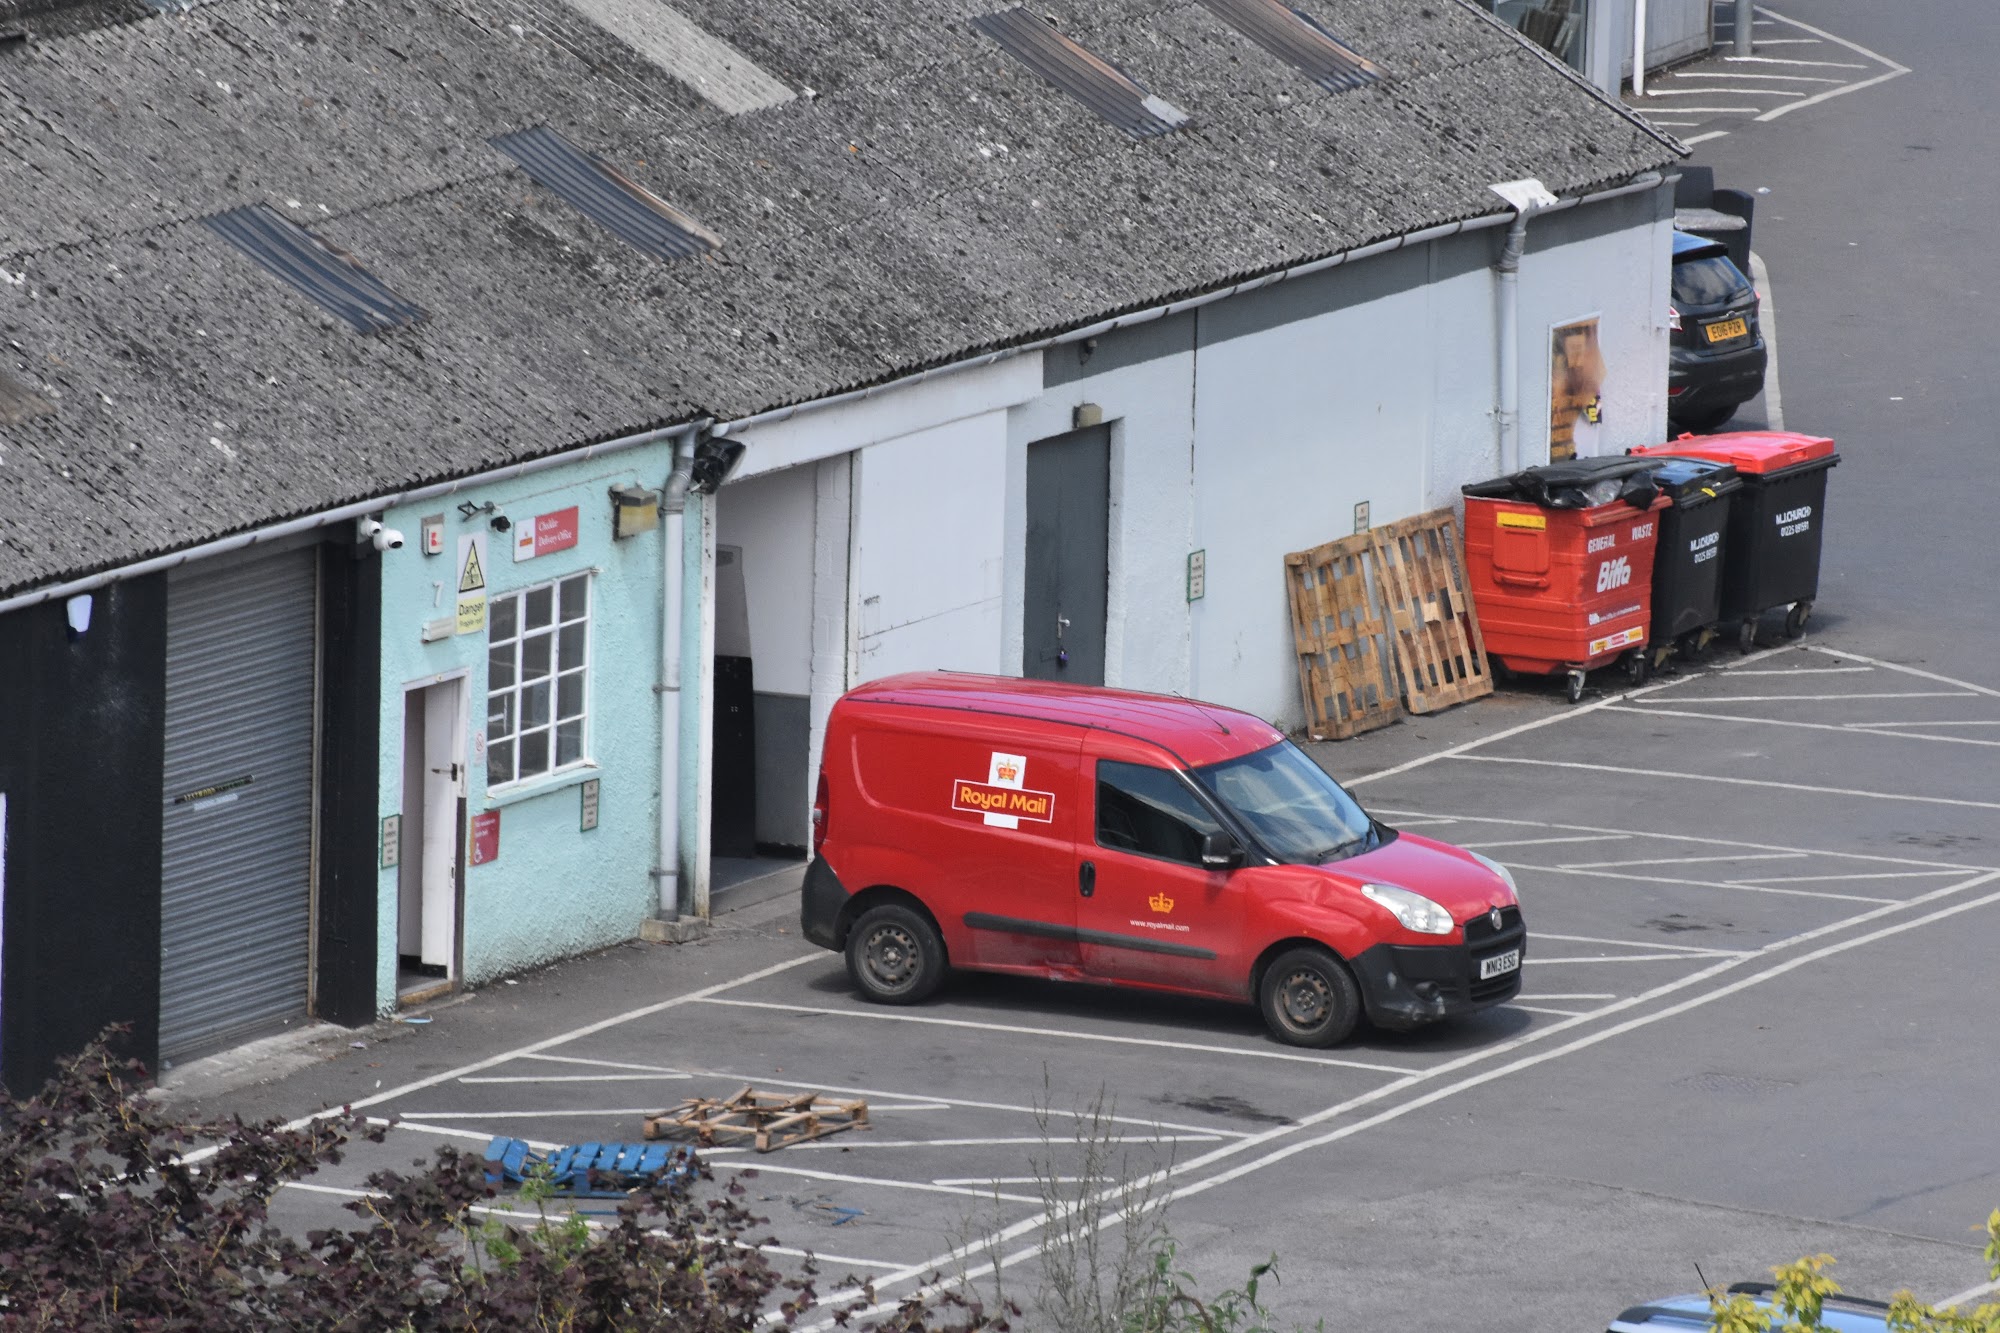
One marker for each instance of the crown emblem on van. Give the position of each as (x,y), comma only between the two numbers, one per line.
(1159,902)
(1006,773)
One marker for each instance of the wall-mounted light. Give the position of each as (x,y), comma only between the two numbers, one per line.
(634,509)
(496,520)
(714,460)
(78,610)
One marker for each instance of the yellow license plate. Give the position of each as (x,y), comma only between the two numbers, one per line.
(1727,329)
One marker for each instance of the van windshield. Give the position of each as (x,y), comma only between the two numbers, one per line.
(1290,804)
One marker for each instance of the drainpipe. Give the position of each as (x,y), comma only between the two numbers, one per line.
(1638,48)
(1527,198)
(697,716)
(673,504)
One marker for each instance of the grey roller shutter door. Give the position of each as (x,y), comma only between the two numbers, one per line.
(236,897)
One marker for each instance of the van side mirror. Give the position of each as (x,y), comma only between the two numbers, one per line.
(1221,851)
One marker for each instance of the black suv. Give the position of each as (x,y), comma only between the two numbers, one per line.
(1716,358)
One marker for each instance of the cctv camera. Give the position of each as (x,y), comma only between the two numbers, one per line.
(371,531)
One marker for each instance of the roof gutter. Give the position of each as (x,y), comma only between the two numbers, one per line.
(291,527)
(1638,185)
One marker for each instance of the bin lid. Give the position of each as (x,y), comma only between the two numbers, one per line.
(1688,480)
(1752,451)
(1575,483)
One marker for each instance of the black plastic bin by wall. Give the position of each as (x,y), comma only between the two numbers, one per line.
(1692,553)
(1774,539)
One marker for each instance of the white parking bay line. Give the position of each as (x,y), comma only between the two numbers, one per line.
(1546,842)
(1894,70)
(1063,1033)
(574,1078)
(1735,782)
(763,1166)
(553,1113)
(1906,670)
(1700,950)
(1685,860)
(1579,995)
(1727,886)
(1723,92)
(1771,78)
(1871,874)
(1845,728)
(1686,700)
(1929,722)
(1797,64)
(1806,671)
(1538,1009)
(602,1064)
(1618,958)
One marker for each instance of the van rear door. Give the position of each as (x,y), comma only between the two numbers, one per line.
(1148,911)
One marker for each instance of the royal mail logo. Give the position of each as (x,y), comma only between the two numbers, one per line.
(983,798)
(1006,773)
(1159,902)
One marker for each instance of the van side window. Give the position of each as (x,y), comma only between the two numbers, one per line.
(1151,812)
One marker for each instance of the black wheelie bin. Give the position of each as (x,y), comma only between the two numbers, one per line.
(1771,556)
(1688,564)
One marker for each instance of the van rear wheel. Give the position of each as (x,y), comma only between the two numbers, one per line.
(894,955)
(1308,998)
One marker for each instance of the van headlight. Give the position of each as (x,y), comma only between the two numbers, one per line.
(1415,911)
(1506,875)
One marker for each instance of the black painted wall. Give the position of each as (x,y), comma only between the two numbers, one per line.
(82,737)
(350,712)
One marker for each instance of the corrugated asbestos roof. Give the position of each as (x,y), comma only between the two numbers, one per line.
(927,199)
(1299,40)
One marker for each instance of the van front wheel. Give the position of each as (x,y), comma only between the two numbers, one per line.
(894,955)
(1308,998)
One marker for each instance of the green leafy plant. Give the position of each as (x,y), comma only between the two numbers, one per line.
(1802,1288)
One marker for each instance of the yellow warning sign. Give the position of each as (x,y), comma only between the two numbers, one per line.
(471,617)
(1534,521)
(471,574)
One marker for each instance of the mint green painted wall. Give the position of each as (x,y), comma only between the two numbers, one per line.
(555,890)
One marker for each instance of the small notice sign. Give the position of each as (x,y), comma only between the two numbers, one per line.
(485,837)
(546,533)
(392,841)
(590,805)
(471,618)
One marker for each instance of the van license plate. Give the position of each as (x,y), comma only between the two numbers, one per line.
(1723,331)
(1500,964)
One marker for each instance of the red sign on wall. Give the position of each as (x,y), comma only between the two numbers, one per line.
(545,533)
(485,837)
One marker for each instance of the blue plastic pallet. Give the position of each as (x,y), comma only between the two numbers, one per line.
(618,1168)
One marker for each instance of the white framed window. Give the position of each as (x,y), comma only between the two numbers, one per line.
(537,680)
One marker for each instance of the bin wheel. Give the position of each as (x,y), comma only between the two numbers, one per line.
(1638,665)
(1746,636)
(1573,687)
(1795,619)
(1690,644)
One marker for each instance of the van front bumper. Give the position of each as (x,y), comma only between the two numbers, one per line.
(1406,986)
(820,903)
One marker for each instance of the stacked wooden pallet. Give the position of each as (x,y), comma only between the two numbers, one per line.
(768,1120)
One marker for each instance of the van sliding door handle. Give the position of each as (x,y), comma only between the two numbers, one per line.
(1086,879)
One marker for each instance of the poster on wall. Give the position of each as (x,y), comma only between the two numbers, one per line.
(1576,379)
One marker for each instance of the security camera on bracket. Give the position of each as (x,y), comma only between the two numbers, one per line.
(370,530)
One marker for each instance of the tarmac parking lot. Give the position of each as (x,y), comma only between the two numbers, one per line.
(1683,849)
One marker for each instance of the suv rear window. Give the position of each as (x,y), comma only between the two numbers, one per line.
(1711,281)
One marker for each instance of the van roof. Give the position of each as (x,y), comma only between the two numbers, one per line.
(1197,733)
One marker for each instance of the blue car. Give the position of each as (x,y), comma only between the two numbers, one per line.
(1685,1314)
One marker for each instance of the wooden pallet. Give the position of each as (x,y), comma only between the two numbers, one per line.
(769,1120)
(1421,582)
(1338,630)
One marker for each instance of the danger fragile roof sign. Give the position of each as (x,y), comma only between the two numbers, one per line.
(982,798)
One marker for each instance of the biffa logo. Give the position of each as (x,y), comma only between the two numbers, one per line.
(1614,574)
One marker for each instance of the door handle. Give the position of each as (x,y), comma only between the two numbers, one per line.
(452,771)
(1062,623)
(1086,879)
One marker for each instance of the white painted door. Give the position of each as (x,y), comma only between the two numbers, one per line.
(444,788)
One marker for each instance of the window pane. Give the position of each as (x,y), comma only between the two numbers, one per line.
(500,667)
(500,718)
(540,607)
(534,753)
(500,618)
(569,694)
(535,705)
(1150,811)
(535,656)
(569,652)
(499,762)
(569,742)
(576,597)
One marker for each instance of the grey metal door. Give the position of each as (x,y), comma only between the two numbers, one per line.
(1068,557)
(236,896)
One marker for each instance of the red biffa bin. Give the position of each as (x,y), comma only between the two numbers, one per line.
(1562,590)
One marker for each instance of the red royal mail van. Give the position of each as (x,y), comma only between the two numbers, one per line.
(1100,835)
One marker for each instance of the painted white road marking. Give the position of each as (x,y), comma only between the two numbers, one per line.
(1633,944)
(764,1166)
(1894,70)
(1063,1033)
(1545,842)
(1871,874)
(1622,958)
(1539,1009)
(1726,886)
(603,1064)
(1775,78)
(1735,782)
(1906,670)
(1808,698)
(1809,671)
(1580,995)
(574,1078)
(1845,728)
(1685,860)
